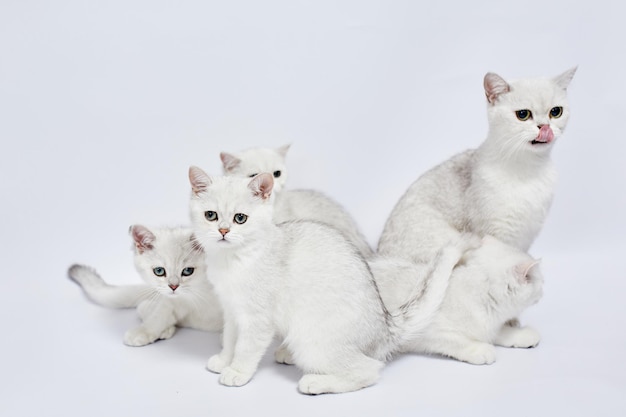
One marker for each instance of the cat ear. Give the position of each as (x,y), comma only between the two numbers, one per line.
(564,79)
(229,161)
(195,245)
(494,87)
(199,180)
(523,269)
(283,150)
(143,238)
(262,185)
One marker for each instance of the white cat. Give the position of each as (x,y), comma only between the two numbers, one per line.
(293,204)
(300,281)
(492,285)
(503,188)
(176,292)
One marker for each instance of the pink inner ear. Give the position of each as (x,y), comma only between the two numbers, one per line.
(262,185)
(229,161)
(494,86)
(143,238)
(199,180)
(196,246)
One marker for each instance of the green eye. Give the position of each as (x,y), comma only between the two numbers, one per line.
(240,218)
(210,216)
(556,112)
(277,174)
(159,271)
(187,271)
(523,115)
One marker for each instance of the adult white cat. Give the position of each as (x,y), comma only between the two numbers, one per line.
(491,285)
(176,290)
(300,281)
(293,204)
(503,188)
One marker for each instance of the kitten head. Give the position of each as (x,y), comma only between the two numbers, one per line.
(527,115)
(228,212)
(250,162)
(168,259)
(512,277)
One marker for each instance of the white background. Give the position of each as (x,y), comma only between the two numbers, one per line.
(104,105)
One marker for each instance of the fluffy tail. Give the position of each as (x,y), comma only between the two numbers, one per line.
(411,318)
(112,296)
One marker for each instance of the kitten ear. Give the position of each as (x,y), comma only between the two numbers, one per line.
(523,269)
(283,150)
(494,87)
(143,238)
(564,79)
(229,161)
(199,180)
(195,245)
(262,185)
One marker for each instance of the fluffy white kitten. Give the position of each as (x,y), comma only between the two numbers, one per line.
(302,282)
(503,188)
(176,290)
(293,204)
(492,285)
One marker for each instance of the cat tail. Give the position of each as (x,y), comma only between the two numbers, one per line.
(412,318)
(112,296)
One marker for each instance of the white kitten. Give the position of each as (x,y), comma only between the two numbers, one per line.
(176,292)
(293,204)
(303,282)
(492,285)
(504,188)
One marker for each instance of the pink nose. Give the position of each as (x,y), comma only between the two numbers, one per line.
(173,287)
(224,231)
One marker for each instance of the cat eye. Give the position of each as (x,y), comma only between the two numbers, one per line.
(240,218)
(210,216)
(523,115)
(277,174)
(556,112)
(159,271)
(187,271)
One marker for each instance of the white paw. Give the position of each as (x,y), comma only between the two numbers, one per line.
(282,355)
(216,364)
(312,384)
(233,378)
(138,337)
(479,354)
(526,337)
(167,333)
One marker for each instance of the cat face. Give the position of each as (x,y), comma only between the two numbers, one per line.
(527,115)
(228,212)
(169,260)
(249,163)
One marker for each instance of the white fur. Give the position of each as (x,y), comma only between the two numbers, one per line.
(192,302)
(293,204)
(300,281)
(504,188)
(492,285)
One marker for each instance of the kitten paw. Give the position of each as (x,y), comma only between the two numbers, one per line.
(167,333)
(518,337)
(216,364)
(282,355)
(138,337)
(233,378)
(478,354)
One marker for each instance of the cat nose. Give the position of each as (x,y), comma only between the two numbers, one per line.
(173,287)
(224,231)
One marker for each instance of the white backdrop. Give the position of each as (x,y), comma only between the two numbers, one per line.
(104,105)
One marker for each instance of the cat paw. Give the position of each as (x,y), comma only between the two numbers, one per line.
(232,378)
(312,384)
(478,354)
(167,333)
(216,364)
(282,355)
(138,337)
(518,337)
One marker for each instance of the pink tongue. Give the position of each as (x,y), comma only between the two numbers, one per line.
(545,134)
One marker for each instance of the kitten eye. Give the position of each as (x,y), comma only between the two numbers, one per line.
(523,115)
(277,174)
(159,271)
(252,175)
(556,112)
(210,216)
(240,218)
(187,271)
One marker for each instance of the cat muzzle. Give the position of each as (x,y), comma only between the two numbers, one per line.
(545,135)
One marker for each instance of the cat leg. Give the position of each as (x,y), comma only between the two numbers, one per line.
(517,337)
(283,355)
(228,338)
(460,347)
(158,322)
(353,374)
(252,342)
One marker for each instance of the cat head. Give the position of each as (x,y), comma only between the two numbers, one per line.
(513,279)
(228,212)
(250,162)
(168,259)
(527,115)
